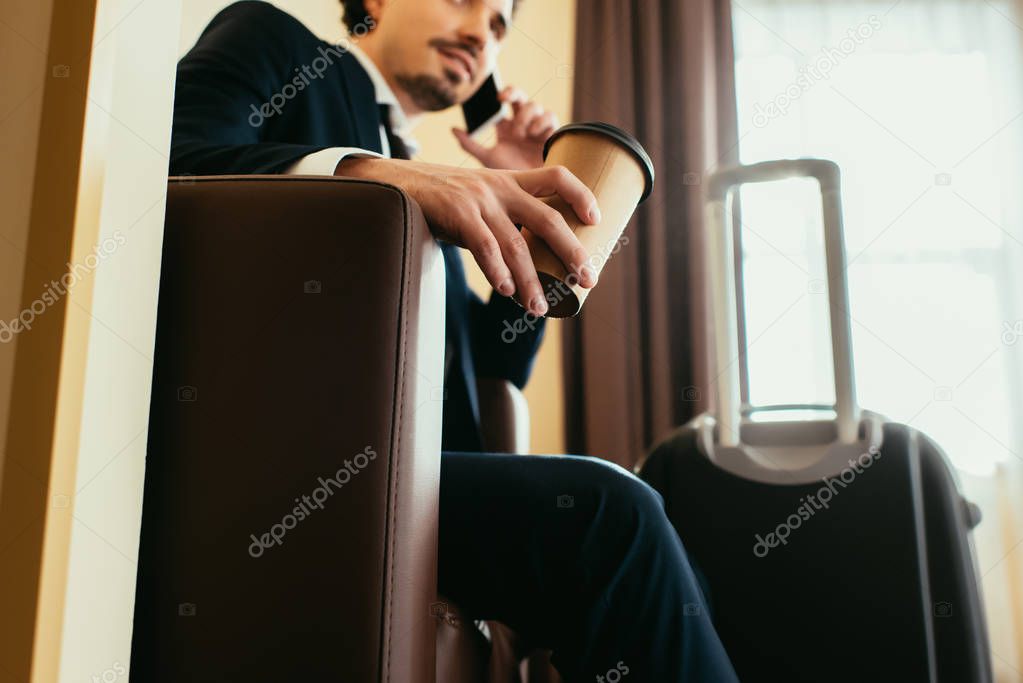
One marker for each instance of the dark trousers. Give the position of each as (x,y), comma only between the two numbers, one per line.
(576,554)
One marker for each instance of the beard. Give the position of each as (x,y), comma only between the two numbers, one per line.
(428,92)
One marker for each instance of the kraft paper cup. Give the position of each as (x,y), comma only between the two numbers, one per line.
(620,174)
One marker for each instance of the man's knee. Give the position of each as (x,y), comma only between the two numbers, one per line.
(625,503)
(616,480)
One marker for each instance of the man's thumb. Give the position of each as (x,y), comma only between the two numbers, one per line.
(468,144)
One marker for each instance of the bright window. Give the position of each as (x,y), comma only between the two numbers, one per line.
(921,104)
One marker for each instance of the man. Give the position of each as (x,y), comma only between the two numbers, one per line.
(574,553)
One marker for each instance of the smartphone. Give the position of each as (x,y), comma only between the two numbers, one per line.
(483,109)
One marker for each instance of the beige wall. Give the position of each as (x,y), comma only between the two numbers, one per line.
(125,170)
(537,58)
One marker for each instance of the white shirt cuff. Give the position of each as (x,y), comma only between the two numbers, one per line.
(325,161)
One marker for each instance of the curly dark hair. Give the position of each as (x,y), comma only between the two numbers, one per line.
(356,14)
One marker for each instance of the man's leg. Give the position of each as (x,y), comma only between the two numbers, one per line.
(577,555)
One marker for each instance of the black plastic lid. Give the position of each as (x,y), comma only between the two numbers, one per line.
(618,134)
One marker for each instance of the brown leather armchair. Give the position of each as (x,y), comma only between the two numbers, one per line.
(291,501)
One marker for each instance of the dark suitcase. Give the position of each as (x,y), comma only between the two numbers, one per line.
(836,548)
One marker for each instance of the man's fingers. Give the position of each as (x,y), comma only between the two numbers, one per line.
(549,225)
(513,95)
(485,248)
(468,144)
(479,209)
(518,260)
(525,116)
(543,126)
(543,182)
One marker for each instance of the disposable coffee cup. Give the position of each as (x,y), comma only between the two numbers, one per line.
(620,174)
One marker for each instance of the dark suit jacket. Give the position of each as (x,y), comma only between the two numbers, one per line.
(257,93)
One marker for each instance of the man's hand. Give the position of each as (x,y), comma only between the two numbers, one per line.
(478,209)
(519,138)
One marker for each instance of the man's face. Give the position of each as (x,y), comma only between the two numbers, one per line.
(441,51)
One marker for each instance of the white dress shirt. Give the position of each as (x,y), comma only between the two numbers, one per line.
(325,161)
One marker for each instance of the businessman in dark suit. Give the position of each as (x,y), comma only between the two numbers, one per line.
(573,552)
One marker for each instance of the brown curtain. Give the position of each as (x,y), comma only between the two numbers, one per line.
(636,357)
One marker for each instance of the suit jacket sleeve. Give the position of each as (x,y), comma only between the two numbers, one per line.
(243,58)
(505,338)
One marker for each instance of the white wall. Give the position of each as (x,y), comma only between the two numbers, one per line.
(125,172)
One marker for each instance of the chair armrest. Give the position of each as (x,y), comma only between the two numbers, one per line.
(504,416)
(300,340)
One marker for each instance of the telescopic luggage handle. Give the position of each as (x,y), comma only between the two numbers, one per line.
(724,308)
